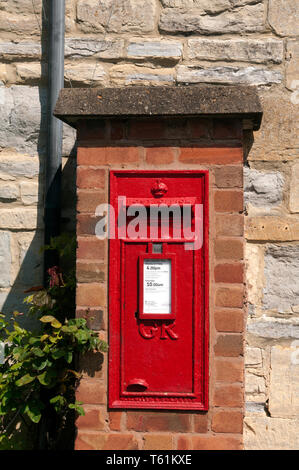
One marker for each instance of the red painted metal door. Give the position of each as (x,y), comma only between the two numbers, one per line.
(158,294)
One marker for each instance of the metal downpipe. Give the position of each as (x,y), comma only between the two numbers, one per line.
(52,204)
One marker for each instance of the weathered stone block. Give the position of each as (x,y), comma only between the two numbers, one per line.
(9,192)
(278,137)
(294,189)
(292,65)
(284,370)
(18,219)
(243,50)
(250,18)
(29,193)
(254,256)
(21,6)
(28,72)
(22,120)
(284,17)
(136,16)
(20,25)
(263,189)
(5,259)
(76,48)
(207,6)
(264,433)
(155,49)
(254,385)
(204,6)
(20,50)
(229,75)
(253,357)
(272,228)
(15,165)
(85,74)
(273,328)
(30,258)
(281,272)
(131,75)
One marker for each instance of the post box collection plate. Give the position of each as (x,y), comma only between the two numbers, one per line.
(158,296)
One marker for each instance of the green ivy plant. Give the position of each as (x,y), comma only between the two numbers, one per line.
(38,378)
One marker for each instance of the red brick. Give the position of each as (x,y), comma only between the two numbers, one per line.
(96,156)
(229,320)
(93,316)
(201,422)
(93,419)
(93,365)
(90,271)
(230,297)
(229,395)
(216,443)
(160,155)
(199,128)
(227,421)
(229,248)
(90,178)
(91,392)
(229,345)
(104,441)
(86,224)
(184,442)
(230,225)
(91,295)
(158,421)
(115,419)
(90,248)
(229,176)
(229,369)
(212,156)
(82,445)
(228,201)
(92,130)
(87,201)
(158,442)
(229,273)
(146,129)
(227,129)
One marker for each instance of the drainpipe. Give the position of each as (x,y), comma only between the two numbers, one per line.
(52,205)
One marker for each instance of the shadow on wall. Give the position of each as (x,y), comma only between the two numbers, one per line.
(26,243)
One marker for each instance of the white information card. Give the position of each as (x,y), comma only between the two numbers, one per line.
(157,286)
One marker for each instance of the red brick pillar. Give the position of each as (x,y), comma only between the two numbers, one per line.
(160,143)
(166,128)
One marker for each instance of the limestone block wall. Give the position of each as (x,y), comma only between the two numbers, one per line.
(171,42)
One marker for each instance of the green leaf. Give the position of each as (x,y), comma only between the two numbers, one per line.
(57,353)
(26,379)
(69,357)
(50,319)
(47,319)
(46,378)
(78,408)
(42,364)
(58,402)
(33,411)
(38,352)
(16,366)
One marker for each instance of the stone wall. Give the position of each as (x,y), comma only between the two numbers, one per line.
(172,42)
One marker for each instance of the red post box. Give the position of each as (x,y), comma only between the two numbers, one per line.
(158,290)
